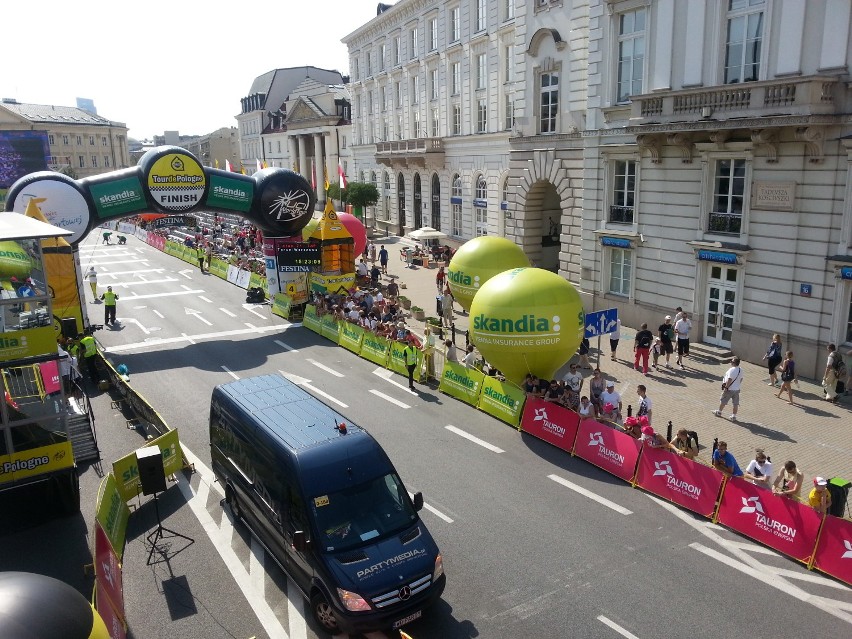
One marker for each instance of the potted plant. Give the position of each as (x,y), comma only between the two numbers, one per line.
(404,302)
(433,321)
(418,313)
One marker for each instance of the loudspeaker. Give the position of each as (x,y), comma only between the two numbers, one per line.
(152,475)
(69,327)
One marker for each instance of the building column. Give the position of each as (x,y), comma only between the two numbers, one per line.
(304,169)
(318,155)
(292,150)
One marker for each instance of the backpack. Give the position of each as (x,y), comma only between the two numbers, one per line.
(644,340)
(692,436)
(788,372)
(839,366)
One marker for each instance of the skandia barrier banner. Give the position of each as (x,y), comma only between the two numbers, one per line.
(834,551)
(281,305)
(551,422)
(256,281)
(330,328)
(461,382)
(682,481)
(350,337)
(36,461)
(502,400)
(375,348)
(108,582)
(397,361)
(126,470)
(112,513)
(609,449)
(310,319)
(218,267)
(788,526)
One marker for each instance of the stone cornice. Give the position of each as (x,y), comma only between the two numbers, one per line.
(716,125)
(395,17)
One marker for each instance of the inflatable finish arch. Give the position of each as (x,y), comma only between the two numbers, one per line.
(168,180)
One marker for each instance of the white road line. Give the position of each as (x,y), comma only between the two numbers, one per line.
(475,440)
(593,496)
(617,628)
(227,312)
(250,325)
(132,320)
(186,338)
(285,347)
(230,372)
(204,299)
(149,270)
(386,375)
(434,511)
(251,309)
(197,314)
(126,284)
(256,569)
(296,612)
(388,398)
(306,383)
(170,294)
(159,314)
(325,368)
(186,273)
(184,286)
(93,263)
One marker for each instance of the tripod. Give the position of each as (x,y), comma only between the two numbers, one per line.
(160,534)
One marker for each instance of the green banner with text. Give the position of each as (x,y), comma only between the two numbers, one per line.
(461,382)
(329,328)
(351,336)
(126,469)
(397,361)
(376,349)
(310,319)
(218,267)
(281,305)
(503,400)
(112,513)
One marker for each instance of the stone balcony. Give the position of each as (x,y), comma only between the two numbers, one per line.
(417,152)
(811,95)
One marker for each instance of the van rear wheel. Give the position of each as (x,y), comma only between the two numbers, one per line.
(233,504)
(323,613)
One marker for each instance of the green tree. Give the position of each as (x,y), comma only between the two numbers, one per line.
(361,194)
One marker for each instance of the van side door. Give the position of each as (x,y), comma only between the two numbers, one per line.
(300,563)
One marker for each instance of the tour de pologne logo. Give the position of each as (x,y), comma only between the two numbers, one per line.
(288,206)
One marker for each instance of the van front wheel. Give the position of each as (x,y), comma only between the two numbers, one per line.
(323,613)
(233,504)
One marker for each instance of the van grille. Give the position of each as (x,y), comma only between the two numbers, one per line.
(352,558)
(410,536)
(404,593)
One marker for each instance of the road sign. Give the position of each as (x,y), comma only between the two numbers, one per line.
(601,322)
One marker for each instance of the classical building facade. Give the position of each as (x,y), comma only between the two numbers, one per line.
(216,147)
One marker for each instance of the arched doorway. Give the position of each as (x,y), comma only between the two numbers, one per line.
(436,202)
(418,203)
(400,202)
(543,219)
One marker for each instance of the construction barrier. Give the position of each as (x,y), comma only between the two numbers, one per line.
(551,422)
(682,481)
(833,554)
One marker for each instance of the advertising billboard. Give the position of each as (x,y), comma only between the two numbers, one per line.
(22,152)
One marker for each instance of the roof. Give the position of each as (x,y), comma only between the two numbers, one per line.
(278,83)
(55,114)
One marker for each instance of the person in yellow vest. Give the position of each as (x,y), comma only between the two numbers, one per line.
(109,299)
(410,355)
(89,351)
(201,254)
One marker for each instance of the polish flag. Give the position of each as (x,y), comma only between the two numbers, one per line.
(259,165)
(228,165)
(313,175)
(341,174)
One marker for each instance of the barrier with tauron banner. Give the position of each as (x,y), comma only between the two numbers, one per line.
(503,400)
(461,382)
(551,422)
(833,554)
(614,451)
(682,481)
(109,591)
(788,526)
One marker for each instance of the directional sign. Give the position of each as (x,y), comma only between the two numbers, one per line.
(601,322)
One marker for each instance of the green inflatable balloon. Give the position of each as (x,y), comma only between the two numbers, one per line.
(310,227)
(479,260)
(527,320)
(14,261)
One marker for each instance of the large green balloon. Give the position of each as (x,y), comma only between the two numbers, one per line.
(310,227)
(479,260)
(14,261)
(527,320)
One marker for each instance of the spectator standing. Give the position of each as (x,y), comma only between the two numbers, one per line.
(409,353)
(200,254)
(725,461)
(731,383)
(789,481)
(469,356)
(819,498)
(585,409)
(833,366)
(642,348)
(597,385)
(574,380)
(208,254)
(682,327)
(666,333)
(684,445)
(759,470)
(92,277)
(89,351)
(383,259)
(656,351)
(653,439)
(584,353)
(440,279)
(372,250)
(110,300)
(788,376)
(531,386)
(773,358)
(451,355)
(555,392)
(611,397)
(447,307)
(644,408)
(614,338)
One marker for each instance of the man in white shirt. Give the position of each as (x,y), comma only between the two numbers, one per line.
(362,269)
(759,470)
(681,328)
(609,396)
(573,380)
(731,389)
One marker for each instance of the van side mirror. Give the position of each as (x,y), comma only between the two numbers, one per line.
(300,542)
(418,501)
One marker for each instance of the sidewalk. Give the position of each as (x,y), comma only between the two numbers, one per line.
(816,434)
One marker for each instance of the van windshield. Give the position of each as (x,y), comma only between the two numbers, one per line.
(360,514)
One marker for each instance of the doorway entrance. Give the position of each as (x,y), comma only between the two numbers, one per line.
(400,202)
(722,301)
(436,202)
(418,203)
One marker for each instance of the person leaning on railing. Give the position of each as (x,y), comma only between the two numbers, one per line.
(788,483)
(684,445)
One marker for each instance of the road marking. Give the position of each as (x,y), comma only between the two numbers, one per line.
(137,273)
(159,314)
(230,372)
(475,440)
(306,383)
(128,284)
(256,569)
(296,612)
(617,628)
(251,309)
(588,493)
(185,272)
(388,398)
(133,321)
(197,314)
(285,347)
(325,368)
(204,299)
(434,511)
(227,312)
(169,294)
(186,338)
(386,375)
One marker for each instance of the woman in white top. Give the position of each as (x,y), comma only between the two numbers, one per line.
(759,470)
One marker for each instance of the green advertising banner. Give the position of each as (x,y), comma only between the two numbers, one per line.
(351,336)
(117,197)
(171,247)
(396,362)
(330,328)
(188,254)
(503,400)
(29,342)
(257,281)
(227,193)
(281,305)
(127,472)
(376,349)
(461,382)
(218,267)
(112,513)
(310,319)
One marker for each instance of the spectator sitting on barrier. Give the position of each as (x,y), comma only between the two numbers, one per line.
(586,409)
(819,498)
(789,481)
(724,461)
(632,426)
(651,438)
(684,445)
(554,392)
(451,355)
(530,386)
(759,470)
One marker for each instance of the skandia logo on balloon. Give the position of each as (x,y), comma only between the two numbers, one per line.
(527,330)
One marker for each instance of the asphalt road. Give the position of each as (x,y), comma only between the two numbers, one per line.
(525,555)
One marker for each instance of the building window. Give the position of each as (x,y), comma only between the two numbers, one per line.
(343,141)
(415,89)
(65,140)
(504,192)
(383,51)
(385,130)
(456,205)
(508,9)
(481,14)
(103,141)
(435,86)
(81,160)
(398,94)
(412,43)
(50,139)
(369,58)
(456,119)
(397,51)
(455,24)
(399,135)
(726,215)
(94,161)
(384,99)
(623,192)
(106,161)
(510,112)
(631,53)
(417,128)
(507,62)
(433,34)
(387,196)
(79,140)
(456,74)
(481,115)
(549,102)
(744,39)
(370,103)
(481,70)
(436,122)
(620,269)
(91,140)
(278,146)
(481,188)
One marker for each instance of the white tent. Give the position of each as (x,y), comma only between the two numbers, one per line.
(426,233)
(14,226)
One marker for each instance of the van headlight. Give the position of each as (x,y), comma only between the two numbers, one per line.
(352,601)
(439,568)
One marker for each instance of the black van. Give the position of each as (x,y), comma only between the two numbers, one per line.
(324,499)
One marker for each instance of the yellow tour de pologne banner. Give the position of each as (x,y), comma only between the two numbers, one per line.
(332,283)
(126,470)
(112,513)
(36,461)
